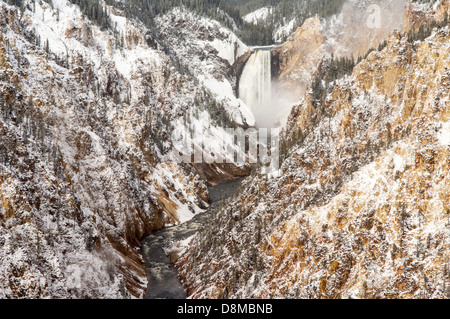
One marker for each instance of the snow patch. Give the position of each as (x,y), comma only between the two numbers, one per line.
(444,134)
(258,16)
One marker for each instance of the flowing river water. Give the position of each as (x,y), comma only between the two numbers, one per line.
(163,278)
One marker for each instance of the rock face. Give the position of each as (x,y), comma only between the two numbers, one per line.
(361,208)
(417,14)
(298,58)
(86,117)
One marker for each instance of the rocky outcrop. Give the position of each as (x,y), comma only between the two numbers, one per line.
(417,15)
(238,67)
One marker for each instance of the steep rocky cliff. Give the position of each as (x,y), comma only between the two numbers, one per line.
(86,170)
(296,60)
(361,208)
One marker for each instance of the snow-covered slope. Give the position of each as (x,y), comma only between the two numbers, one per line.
(284,30)
(211,52)
(85,165)
(258,16)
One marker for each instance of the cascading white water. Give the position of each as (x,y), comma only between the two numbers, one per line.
(255,87)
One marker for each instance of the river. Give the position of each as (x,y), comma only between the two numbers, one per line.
(163,278)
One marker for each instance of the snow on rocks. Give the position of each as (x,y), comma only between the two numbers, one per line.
(211,52)
(361,208)
(85,172)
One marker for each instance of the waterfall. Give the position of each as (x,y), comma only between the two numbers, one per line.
(255,87)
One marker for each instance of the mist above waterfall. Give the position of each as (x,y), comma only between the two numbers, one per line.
(258,92)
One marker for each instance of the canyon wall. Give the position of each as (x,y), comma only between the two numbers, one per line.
(360,208)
